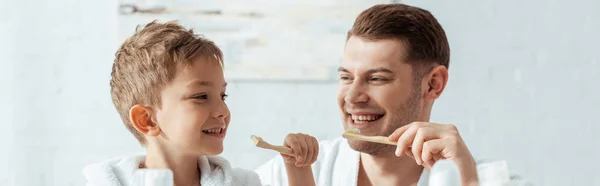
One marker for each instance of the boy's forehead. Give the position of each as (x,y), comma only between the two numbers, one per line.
(200,73)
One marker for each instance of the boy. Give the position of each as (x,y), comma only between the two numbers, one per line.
(168,86)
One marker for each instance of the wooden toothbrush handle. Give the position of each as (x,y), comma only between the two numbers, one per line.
(284,150)
(381,139)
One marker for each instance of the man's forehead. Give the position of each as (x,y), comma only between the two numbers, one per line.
(362,54)
(373,66)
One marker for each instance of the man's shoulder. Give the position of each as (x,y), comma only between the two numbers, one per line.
(494,171)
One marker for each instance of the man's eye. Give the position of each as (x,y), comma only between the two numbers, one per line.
(202,96)
(344,78)
(377,79)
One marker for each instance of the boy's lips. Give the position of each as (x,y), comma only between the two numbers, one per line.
(217,132)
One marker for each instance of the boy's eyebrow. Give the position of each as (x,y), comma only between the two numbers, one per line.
(204,83)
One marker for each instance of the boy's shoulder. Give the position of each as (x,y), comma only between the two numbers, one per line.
(112,171)
(220,167)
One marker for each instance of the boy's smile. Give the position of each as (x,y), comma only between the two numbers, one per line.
(218,132)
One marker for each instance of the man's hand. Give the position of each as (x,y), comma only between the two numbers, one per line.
(305,147)
(428,142)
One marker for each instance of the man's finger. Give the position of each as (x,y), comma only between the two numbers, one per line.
(406,139)
(437,157)
(429,164)
(409,154)
(422,135)
(431,150)
(398,132)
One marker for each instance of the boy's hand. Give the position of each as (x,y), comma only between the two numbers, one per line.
(305,147)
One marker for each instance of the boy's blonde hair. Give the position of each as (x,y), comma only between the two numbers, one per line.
(149,60)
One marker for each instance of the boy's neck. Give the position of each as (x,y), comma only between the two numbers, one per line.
(389,169)
(185,167)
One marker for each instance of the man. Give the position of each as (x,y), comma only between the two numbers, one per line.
(395,65)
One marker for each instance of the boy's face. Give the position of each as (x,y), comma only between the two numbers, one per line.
(194,117)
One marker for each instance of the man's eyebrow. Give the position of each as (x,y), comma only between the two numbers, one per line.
(379,69)
(342,69)
(370,71)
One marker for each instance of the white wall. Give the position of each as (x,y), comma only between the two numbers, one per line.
(523,87)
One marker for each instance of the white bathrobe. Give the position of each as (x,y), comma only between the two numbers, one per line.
(214,171)
(337,165)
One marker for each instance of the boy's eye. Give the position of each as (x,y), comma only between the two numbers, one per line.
(224,96)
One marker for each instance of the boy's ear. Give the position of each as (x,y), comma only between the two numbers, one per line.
(141,119)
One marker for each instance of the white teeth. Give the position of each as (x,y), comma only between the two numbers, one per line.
(364,118)
(220,130)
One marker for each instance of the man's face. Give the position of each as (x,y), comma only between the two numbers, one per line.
(377,92)
(194,117)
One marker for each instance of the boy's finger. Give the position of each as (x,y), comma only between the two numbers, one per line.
(310,148)
(303,153)
(316,148)
(292,142)
(286,156)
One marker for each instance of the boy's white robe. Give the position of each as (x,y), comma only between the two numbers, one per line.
(214,171)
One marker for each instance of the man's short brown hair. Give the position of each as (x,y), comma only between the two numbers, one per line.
(148,60)
(424,37)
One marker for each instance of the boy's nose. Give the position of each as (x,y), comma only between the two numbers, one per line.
(221,111)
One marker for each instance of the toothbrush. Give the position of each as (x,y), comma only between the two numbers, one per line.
(259,142)
(354,134)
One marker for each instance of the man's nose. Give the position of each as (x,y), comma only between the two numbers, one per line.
(356,94)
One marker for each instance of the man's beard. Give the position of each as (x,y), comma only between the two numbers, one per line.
(407,113)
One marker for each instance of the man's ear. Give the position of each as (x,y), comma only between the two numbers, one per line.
(436,82)
(141,119)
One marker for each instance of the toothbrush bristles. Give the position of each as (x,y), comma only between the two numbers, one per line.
(354,130)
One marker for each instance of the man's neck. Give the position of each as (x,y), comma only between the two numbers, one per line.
(185,168)
(388,170)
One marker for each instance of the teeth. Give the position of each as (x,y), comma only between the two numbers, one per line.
(220,130)
(365,117)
